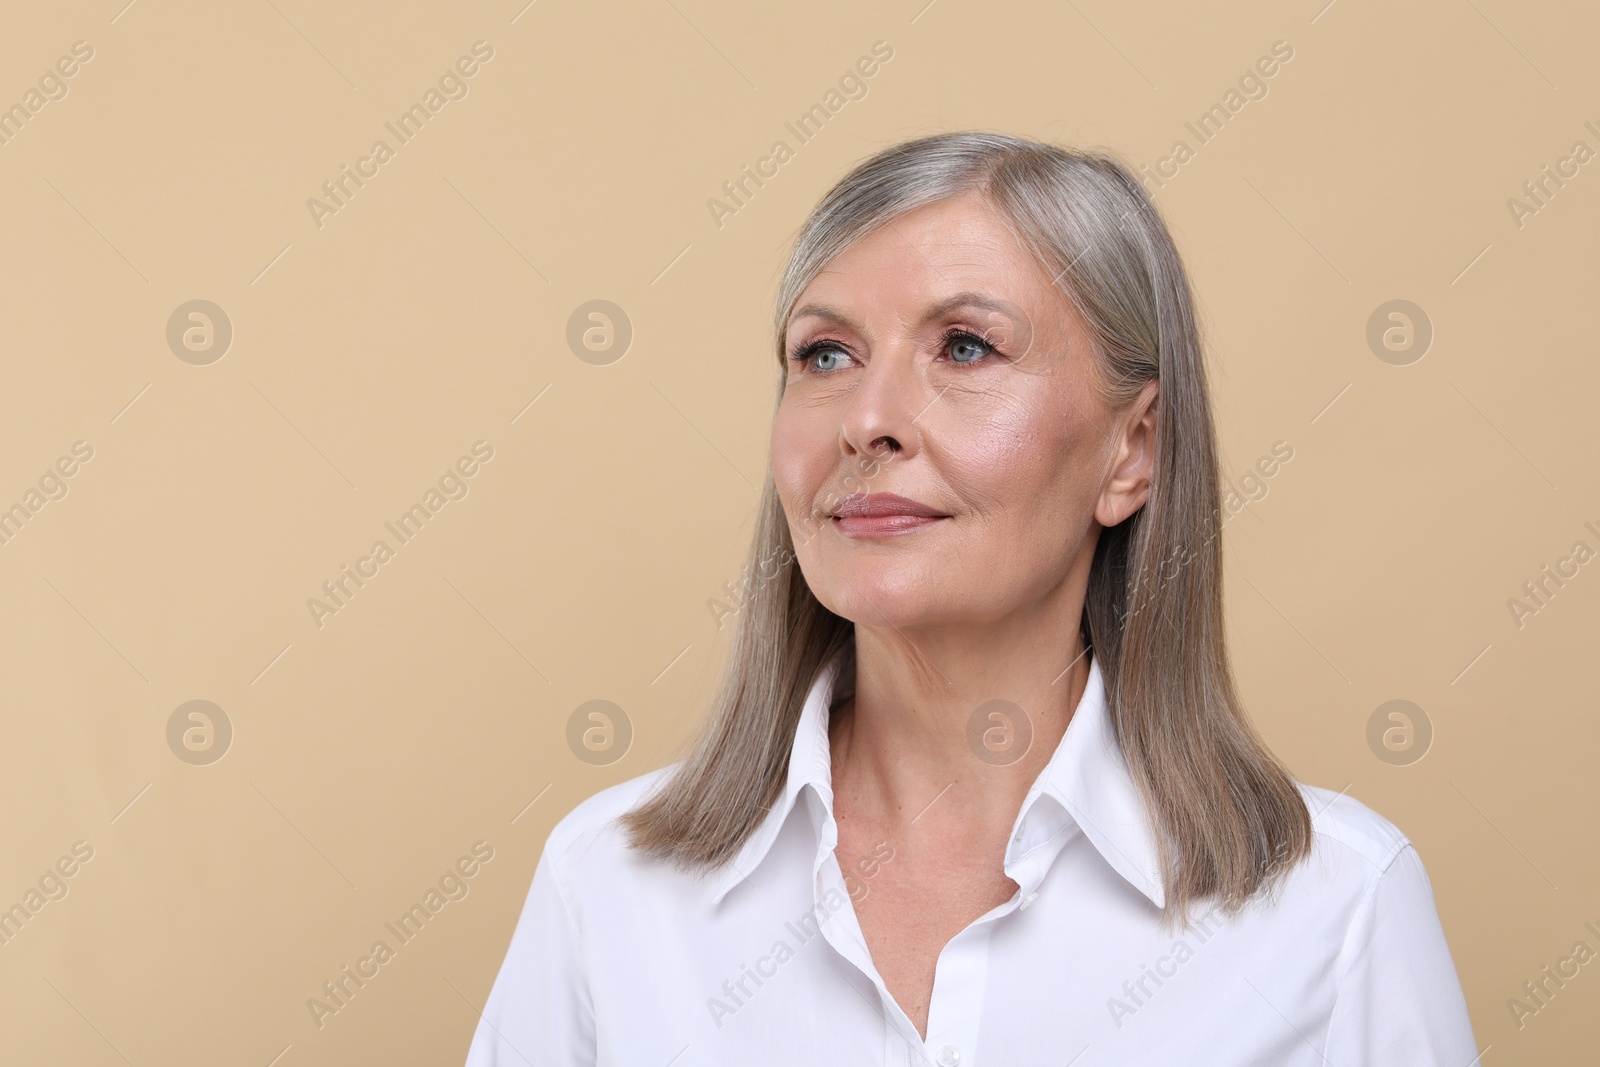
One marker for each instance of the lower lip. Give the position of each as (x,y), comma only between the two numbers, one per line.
(869,526)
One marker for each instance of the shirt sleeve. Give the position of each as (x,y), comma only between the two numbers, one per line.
(1399,998)
(539,1011)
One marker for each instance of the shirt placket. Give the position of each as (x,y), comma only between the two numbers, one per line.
(842,930)
(960,980)
(961,974)
(958,988)
(955,1007)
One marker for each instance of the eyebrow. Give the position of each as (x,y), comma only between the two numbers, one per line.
(957,302)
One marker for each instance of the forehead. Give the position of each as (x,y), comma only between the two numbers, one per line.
(930,255)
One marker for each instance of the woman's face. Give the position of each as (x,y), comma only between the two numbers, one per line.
(944,367)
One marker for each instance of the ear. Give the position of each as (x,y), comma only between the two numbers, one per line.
(1128,482)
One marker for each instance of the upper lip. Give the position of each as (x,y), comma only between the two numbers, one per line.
(874,504)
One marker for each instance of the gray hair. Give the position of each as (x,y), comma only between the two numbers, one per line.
(1229,819)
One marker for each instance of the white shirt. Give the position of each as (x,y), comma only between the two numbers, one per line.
(620,959)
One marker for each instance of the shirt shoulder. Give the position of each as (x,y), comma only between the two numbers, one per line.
(595,821)
(1397,996)
(1361,874)
(1349,826)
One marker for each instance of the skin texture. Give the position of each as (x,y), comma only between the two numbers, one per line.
(1015,447)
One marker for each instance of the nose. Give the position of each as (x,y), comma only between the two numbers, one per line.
(880,418)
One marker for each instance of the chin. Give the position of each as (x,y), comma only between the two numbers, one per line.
(883,595)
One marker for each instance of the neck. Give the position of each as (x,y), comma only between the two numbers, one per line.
(940,714)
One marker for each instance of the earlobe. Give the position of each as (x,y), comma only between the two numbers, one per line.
(1116,507)
(1130,484)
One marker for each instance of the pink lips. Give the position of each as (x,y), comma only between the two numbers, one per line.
(883,515)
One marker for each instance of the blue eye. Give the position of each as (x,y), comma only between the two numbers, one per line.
(825,352)
(960,340)
(966,349)
(805,355)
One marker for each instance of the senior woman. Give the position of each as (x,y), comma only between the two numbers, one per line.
(976,789)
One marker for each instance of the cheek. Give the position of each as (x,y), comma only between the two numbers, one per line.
(1005,456)
(799,459)
(1028,466)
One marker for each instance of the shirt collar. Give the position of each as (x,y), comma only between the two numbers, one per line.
(810,764)
(1086,778)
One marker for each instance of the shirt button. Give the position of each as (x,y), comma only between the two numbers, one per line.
(1029,899)
(949,1056)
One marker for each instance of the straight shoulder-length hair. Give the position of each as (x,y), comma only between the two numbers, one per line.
(1228,819)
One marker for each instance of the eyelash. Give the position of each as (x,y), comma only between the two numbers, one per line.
(804,355)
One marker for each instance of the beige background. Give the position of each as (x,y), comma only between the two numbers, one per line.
(431,311)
